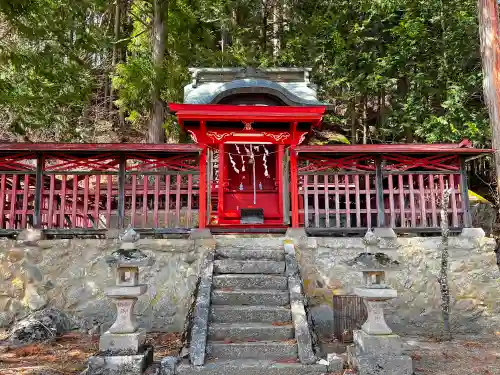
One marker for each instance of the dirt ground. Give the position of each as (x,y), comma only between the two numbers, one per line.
(67,355)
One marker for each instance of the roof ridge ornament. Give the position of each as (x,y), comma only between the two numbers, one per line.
(251,72)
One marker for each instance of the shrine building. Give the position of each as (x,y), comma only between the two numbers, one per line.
(249,168)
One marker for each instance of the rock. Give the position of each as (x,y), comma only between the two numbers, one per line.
(41,326)
(33,299)
(30,237)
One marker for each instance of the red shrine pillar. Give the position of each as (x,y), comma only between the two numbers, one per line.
(294,186)
(279,177)
(202,214)
(220,203)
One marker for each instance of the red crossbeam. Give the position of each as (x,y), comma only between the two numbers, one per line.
(434,162)
(13,162)
(352,162)
(148,163)
(103,163)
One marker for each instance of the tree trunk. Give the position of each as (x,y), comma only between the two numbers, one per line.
(353,117)
(156,133)
(365,120)
(114,58)
(277,22)
(488,35)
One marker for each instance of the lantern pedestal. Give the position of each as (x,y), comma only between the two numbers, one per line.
(122,347)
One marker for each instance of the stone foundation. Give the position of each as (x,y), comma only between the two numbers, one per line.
(72,275)
(473,279)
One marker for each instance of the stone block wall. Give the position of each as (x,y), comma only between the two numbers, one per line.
(474,280)
(72,274)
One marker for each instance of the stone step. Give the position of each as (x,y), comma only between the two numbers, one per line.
(249,266)
(242,281)
(269,297)
(250,367)
(245,331)
(264,314)
(249,242)
(270,350)
(250,254)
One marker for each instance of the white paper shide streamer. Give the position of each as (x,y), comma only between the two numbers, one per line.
(264,161)
(234,164)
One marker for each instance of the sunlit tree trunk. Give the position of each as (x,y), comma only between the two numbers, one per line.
(488,35)
(156,133)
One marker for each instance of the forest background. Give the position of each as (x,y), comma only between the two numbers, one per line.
(103,71)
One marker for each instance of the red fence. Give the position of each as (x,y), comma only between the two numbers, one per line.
(363,191)
(99,190)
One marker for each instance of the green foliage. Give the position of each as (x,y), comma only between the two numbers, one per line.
(396,70)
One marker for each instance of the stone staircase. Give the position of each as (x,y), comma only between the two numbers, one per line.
(251,328)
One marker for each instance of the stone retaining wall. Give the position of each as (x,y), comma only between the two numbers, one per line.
(474,281)
(71,275)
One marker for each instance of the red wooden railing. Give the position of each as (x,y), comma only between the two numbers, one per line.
(99,190)
(364,191)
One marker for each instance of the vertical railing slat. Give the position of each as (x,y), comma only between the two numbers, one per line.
(97,201)
(306,201)
(75,199)
(62,211)
(368,201)
(189,201)
(145,187)
(50,215)
(327,202)
(108,201)
(391,200)
(167,201)
(358,201)
(412,201)
(85,214)
(133,201)
(433,201)
(453,200)
(24,213)
(13,194)
(316,201)
(337,201)
(3,182)
(156,201)
(347,202)
(464,193)
(423,210)
(402,211)
(178,201)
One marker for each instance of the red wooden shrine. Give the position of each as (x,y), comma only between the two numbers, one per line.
(251,142)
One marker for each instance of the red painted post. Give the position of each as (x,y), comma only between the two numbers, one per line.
(294,187)
(145,188)
(85,201)
(220,203)
(189,201)
(12,215)
(279,174)
(75,198)
(97,200)
(62,210)
(25,201)
(134,200)
(156,202)
(109,195)
(178,200)
(167,201)
(202,213)
(50,220)
(3,182)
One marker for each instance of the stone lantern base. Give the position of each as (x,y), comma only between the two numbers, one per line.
(116,364)
(378,355)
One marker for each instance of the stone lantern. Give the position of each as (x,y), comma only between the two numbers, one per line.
(123,345)
(376,349)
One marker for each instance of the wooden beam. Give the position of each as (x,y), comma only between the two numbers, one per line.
(380,192)
(202,219)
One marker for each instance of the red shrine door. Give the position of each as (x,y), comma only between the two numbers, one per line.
(252,187)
